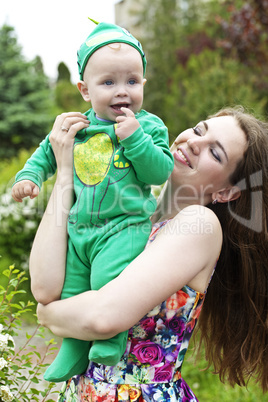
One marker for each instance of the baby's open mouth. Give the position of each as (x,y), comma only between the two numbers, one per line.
(119,105)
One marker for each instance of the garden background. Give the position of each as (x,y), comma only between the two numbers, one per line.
(200,58)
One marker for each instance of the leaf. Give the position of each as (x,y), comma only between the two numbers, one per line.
(22,378)
(38,354)
(16,306)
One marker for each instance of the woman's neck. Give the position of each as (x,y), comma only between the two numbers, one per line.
(169,204)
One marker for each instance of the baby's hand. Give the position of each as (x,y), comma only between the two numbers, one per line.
(127,124)
(24,188)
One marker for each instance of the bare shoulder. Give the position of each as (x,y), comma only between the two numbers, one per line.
(195,228)
(197,220)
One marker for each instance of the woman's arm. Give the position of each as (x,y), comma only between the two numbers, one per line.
(48,254)
(185,250)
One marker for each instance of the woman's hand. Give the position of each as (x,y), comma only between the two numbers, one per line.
(62,138)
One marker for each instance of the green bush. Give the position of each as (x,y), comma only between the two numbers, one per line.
(21,368)
(18,221)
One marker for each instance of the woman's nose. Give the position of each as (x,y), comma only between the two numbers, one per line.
(194,145)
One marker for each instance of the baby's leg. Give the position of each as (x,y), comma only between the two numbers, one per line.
(72,358)
(114,255)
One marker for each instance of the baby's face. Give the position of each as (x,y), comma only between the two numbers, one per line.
(114,78)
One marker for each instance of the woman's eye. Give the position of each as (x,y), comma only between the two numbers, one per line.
(197,131)
(215,154)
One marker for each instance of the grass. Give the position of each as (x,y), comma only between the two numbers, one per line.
(208,388)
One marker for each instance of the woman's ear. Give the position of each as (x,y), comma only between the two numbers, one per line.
(83,89)
(227,194)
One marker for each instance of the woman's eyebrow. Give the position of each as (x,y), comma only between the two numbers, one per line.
(217,142)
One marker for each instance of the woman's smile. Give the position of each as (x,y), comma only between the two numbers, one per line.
(182,156)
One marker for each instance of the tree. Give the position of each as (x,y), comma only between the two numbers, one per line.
(207,83)
(159,19)
(63,73)
(68,98)
(173,31)
(190,74)
(246,39)
(24,97)
(66,95)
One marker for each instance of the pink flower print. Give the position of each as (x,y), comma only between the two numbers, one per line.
(148,324)
(86,391)
(148,352)
(163,373)
(176,325)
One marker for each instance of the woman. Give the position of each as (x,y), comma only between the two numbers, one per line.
(222,163)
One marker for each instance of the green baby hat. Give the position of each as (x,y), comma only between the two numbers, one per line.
(102,35)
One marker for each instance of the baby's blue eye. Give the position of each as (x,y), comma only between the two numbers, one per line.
(132,82)
(108,82)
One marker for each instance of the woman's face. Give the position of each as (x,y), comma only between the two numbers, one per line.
(205,156)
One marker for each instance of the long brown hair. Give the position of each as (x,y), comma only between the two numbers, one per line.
(234,318)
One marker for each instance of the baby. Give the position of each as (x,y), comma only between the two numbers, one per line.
(123,151)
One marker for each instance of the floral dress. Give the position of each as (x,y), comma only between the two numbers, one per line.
(150,369)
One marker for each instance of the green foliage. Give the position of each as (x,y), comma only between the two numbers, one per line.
(161,36)
(63,73)
(9,168)
(24,97)
(245,39)
(68,98)
(21,367)
(174,30)
(208,387)
(190,73)
(18,221)
(207,83)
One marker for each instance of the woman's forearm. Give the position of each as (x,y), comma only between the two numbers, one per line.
(48,255)
(75,318)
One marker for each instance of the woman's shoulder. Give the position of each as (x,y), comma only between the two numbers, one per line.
(198,219)
(194,226)
(197,228)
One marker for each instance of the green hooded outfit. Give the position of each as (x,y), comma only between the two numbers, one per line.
(108,224)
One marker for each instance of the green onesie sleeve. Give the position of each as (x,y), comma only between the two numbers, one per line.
(40,166)
(148,150)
